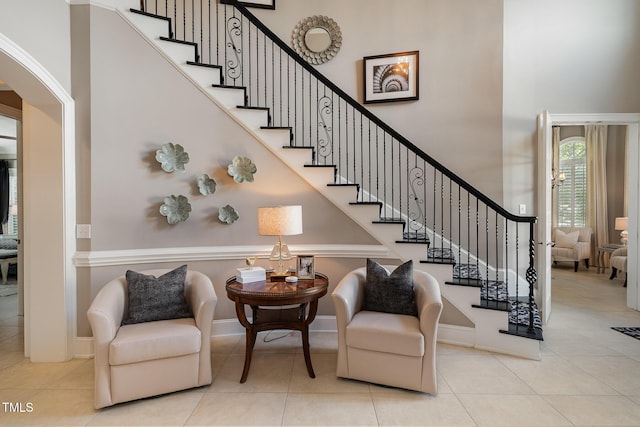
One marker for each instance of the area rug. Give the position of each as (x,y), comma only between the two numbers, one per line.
(632,332)
(8,290)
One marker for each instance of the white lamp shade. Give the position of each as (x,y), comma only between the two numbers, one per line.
(622,223)
(280,220)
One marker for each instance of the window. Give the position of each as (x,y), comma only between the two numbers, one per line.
(572,193)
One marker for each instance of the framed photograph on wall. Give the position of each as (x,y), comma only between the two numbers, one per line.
(305,268)
(392,77)
(263,4)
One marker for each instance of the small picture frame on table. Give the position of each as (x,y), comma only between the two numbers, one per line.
(391,77)
(305,268)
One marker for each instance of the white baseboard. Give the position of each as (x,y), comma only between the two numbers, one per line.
(457,335)
(450,334)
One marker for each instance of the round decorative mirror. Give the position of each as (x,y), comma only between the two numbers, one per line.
(317,39)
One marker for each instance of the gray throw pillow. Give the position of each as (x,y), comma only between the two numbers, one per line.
(390,293)
(160,298)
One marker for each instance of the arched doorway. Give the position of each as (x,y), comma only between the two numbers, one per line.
(49,205)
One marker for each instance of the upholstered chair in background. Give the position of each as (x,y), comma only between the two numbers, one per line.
(572,244)
(618,262)
(149,358)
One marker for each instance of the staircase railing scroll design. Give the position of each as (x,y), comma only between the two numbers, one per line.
(458,223)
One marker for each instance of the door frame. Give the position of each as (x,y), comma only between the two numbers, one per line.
(632,123)
(49,205)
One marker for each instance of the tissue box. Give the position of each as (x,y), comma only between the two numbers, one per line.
(251,274)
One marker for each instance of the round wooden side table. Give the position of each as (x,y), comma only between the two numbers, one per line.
(303,296)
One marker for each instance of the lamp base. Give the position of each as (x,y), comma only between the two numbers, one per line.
(624,237)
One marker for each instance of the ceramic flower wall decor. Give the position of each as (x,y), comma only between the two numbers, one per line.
(172,157)
(242,169)
(176,209)
(228,214)
(206,185)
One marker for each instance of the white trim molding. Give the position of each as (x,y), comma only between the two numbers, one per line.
(218,253)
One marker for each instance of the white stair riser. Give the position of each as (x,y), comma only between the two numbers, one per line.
(150,27)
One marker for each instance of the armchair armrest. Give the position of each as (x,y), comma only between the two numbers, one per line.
(429,302)
(348,296)
(619,252)
(105,316)
(201,298)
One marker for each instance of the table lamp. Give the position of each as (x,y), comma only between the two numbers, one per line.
(622,223)
(280,221)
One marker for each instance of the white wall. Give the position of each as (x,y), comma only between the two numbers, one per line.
(40,27)
(568,56)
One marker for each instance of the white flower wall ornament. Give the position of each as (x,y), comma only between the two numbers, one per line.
(242,169)
(172,157)
(206,185)
(176,209)
(228,214)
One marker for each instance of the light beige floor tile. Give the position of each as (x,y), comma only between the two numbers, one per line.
(277,341)
(619,372)
(511,411)
(55,408)
(480,374)
(226,344)
(328,409)
(420,410)
(322,342)
(597,411)
(11,358)
(239,409)
(35,375)
(324,367)
(269,372)
(80,378)
(555,375)
(443,388)
(12,344)
(168,410)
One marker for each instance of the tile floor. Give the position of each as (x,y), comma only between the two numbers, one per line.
(589,376)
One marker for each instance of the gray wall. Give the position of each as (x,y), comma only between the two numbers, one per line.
(460,45)
(138,101)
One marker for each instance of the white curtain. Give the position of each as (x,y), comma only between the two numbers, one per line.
(596,150)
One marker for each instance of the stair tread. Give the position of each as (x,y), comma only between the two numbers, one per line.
(229,86)
(283,128)
(174,40)
(430,260)
(493,305)
(462,281)
(523,331)
(204,64)
(366,203)
(251,107)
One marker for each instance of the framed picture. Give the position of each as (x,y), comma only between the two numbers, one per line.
(263,4)
(392,77)
(305,268)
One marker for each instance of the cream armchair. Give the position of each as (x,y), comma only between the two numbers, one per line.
(572,244)
(390,349)
(147,359)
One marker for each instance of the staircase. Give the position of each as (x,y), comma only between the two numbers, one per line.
(480,254)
